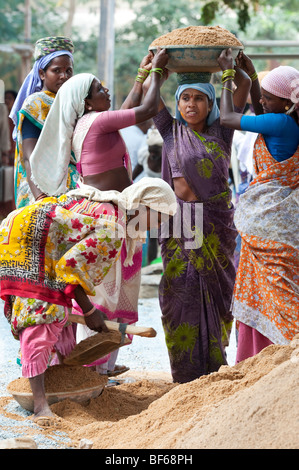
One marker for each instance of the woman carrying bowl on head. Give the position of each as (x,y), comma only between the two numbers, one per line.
(266,295)
(197,284)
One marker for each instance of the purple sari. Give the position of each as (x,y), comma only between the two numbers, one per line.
(198,252)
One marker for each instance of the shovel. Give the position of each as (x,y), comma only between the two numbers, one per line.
(101,344)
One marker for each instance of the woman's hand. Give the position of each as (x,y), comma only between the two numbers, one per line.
(245,63)
(226,60)
(160,59)
(96,321)
(146,62)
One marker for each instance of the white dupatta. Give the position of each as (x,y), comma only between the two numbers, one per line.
(51,156)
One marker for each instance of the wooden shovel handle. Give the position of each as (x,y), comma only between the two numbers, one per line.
(113,325)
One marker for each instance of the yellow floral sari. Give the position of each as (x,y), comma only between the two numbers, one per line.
(36,108)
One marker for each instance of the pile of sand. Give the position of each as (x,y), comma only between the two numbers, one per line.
(197,35)
(252,405)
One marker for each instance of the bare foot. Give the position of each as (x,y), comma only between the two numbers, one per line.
(42,412)
(45,421)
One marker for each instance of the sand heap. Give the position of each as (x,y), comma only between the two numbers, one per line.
(252,405)
(197,35)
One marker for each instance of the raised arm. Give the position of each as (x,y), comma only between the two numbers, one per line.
(229,97)
(147,82)
(134,98)
(150,105)
(245,63)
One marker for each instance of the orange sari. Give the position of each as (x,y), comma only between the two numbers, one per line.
(266,293)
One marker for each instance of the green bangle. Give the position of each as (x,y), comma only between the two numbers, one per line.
(159,71)
(143,70)
(140,78)
(254,76)
(224,88)
(227,79)
(228,72)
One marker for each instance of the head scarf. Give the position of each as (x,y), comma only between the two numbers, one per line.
(46,46)
(206,88)
(50,158)
(283,81)
(46,49)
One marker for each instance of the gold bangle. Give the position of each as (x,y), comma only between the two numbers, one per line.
(228,72)
(227,79)
(224,88)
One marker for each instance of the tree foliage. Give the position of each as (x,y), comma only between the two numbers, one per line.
(12,20)
(248,19)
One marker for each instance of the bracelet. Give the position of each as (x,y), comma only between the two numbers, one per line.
(90,311)
(159,71)
(140,70)
(227,79)
(254,76)
(228,73)
(140,77)
(224,88)
(41,196)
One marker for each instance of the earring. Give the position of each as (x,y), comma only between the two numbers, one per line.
(286,108)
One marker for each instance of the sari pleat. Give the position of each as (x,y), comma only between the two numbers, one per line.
(266,295)
(198,270)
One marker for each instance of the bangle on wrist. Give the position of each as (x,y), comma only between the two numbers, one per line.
(140,70)
(253,77)
(224,88)
(157,70)
(226,79)
(140,78)
(40,196)
(141,75)
(89,311)
(228,74)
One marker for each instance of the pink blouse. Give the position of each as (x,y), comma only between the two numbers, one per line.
(104,148)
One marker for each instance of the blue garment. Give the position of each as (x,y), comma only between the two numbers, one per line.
(29,130)
(280,131)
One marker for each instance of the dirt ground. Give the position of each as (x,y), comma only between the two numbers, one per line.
(252,405)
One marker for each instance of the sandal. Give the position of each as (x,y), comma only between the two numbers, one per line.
(117,371)
(112,383)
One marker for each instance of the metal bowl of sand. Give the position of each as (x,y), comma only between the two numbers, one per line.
(195,58)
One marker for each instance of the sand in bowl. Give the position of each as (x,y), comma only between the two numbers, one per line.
(197,36)
(77,383)
(196,49)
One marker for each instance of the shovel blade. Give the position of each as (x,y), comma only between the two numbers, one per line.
(95,347)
